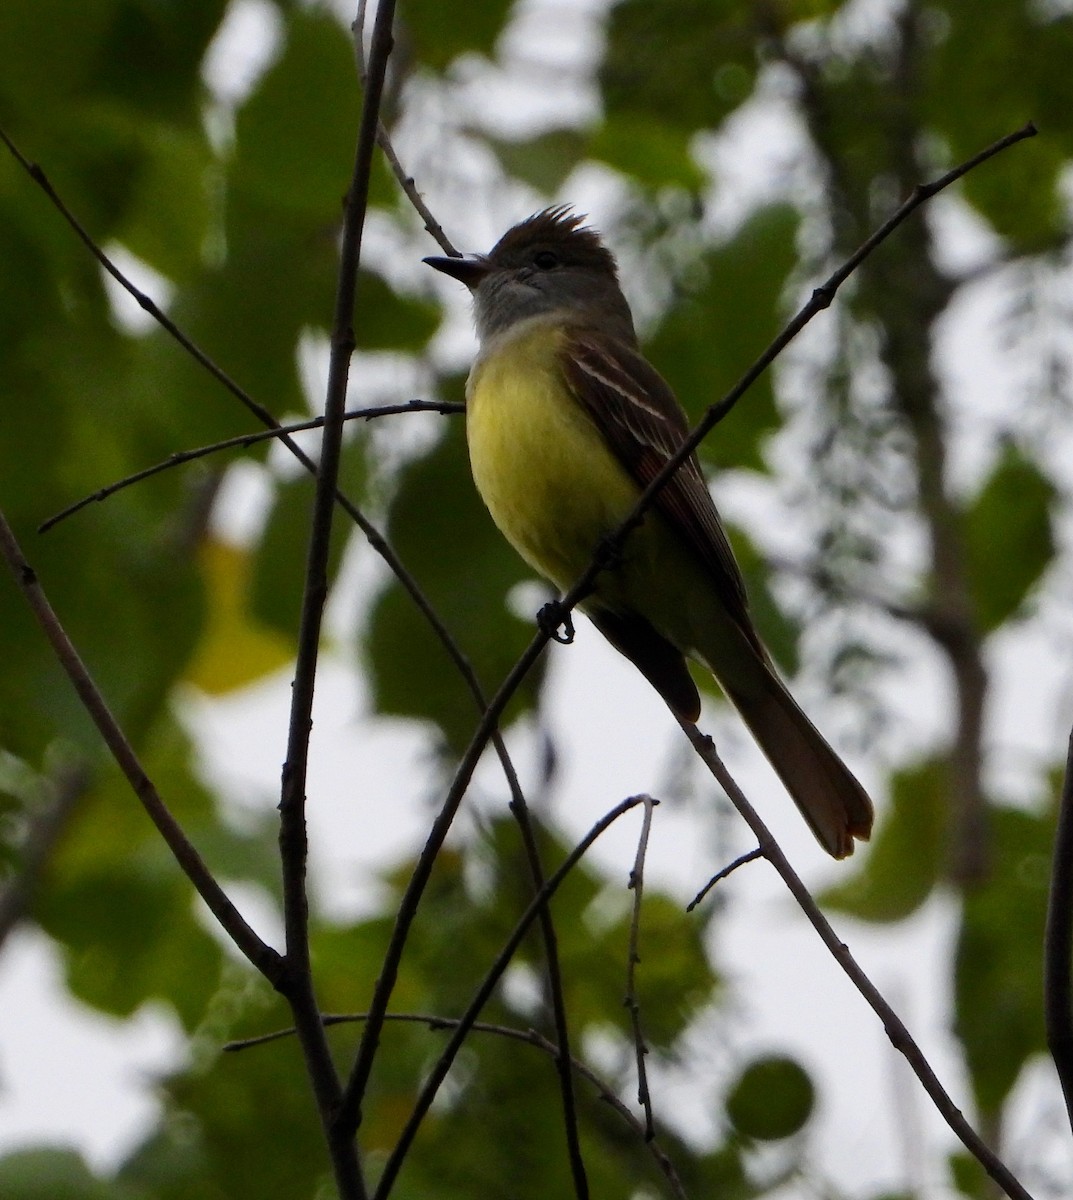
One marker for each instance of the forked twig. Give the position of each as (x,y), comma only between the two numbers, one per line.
(243,441)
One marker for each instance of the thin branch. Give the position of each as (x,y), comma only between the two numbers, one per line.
(383,140)
(259,953)
(243,442)
(637,884)
(293,840)
(1058,942)
(740,861)
(406,182)
(531,1037)
(440,1069)
(895,1030)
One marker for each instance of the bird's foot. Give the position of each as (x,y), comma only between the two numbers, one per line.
(553,616)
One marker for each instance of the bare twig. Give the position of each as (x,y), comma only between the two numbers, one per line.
(242,442)
(895,1030)
(530,1037)
(383,140)
(1058,942)
(439,1071)
(740,861)
(293,842)
(406,182)
(259,953)
(633,957)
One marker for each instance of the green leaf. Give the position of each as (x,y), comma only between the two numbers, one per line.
(685,62)
(295,134)
(153,56)
(171,211)
(447,540)
(544,162)
(66,36)
(970,62)
(437,33)
(41,1174)
(1008,537)
(773,1098)
(998,989)
(652,152)
(906,857)
(124,914)
(130,936)
(706,341)
(280,563)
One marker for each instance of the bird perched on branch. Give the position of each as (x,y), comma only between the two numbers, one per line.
(567,423)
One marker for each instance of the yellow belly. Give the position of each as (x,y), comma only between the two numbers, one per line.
(540,465)
(555,490)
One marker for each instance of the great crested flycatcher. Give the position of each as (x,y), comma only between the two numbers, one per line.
(566,423)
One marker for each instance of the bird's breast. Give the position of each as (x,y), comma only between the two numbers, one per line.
(541,466)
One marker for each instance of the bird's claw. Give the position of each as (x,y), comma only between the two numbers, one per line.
(553,615)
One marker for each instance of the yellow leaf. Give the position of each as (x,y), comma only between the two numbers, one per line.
(236,649)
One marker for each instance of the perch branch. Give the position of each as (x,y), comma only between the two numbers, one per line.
(894,1028)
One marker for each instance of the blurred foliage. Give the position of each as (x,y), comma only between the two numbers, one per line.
(238,213)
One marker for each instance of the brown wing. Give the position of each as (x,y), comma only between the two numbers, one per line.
(636,412)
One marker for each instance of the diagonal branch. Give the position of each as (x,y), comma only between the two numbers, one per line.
(899,1036)
(259,953)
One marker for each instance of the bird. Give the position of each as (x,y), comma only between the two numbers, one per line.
(566,424)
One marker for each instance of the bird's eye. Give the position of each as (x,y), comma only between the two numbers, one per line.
(545,259)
